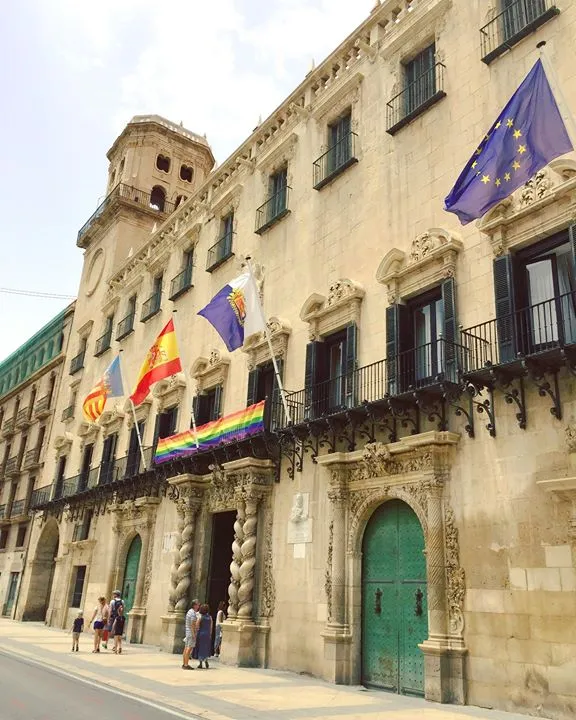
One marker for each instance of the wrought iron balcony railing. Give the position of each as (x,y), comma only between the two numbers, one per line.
(42,408)
(125,327)
(416,97)
(12,466)
(129,194)
(335,160)
(151,306)
(433,364)
(68,413)
(103,343)
(273,210)
(537,330)
(18,508)
(77,362)
(31,458)
(23,418)
(8,427)
(220,252)
(41,496)
(513,24)
(180,283)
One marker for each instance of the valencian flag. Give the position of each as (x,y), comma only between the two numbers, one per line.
(527,134)
(162,361)
(235,311)
(109,385)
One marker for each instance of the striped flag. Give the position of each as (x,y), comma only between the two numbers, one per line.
(109,385)
(161,361)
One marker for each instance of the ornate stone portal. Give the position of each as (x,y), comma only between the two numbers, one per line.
(414,470)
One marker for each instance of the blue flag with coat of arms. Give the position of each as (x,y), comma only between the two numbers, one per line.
(526,136)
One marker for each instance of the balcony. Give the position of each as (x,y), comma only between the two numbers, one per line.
(24,418)
(125,327)
(272,211)
(31,459)
(415,99)
(8,427)
(514,23)
(151,307)
(42,408)
(2,512)
(220,252)
(335,160)
(77,363)
(181,283)
(542,334)
(103,343)
(126,194)
(12,467)
(18,508)
(40,496)
(68,413)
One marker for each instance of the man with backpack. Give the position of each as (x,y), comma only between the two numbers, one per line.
(115,604)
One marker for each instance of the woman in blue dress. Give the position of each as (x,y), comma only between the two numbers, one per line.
(204,635)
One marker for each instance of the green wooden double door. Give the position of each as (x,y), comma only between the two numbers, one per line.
(394,607)
(131,573)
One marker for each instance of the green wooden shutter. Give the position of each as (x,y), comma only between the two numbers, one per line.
(253,379)
(313,353)
(217,408)
(504,301)
(449,351)
(572,235)
(350,364)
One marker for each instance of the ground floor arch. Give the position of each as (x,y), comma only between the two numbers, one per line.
(42,570)
(130,575)
(394,600)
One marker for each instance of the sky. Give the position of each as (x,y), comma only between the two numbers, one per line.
(74,73)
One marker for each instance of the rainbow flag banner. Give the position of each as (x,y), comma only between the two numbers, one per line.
(231,428)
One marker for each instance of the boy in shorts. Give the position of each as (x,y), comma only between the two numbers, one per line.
(77,627)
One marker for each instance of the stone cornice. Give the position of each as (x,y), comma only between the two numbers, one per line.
(328,314)
(210,372)
(256,346)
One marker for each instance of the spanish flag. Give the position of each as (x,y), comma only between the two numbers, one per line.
(109,385)
(162,361)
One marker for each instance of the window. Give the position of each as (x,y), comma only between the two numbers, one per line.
(21,536)
(420,79)
(207,405)
(82,529)
(222,249)
(4,532)
(126,325)
(134,456)
(166,424)
(103,342)
(339,139)
(329,375)
(107,461)
(152,305)
(517,14)
(158,198)
(112,178)
(78,586)
(179,199)
(51,385)
(276,206)
(60,472)
(84,479)
(121,169)
(183,281)
(262,382)
(163,163)
(186,173)
(421,340)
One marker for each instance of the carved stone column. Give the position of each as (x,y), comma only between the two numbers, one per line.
(236,557)
(248,551)
(114,569)
(188,493)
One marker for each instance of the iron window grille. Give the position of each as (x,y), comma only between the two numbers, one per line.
(426,90)
(77,362)
(273,210)
(339,156)
(220,252)
(103,343)
(181,283)
(152,306)
(125,326)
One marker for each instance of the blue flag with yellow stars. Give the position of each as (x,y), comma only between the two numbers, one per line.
(527,134)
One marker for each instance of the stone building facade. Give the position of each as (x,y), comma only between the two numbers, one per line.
(413,512)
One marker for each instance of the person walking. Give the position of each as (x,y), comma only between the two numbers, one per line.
(98,618)
(190,638)
(118,629)
(105,629)
(220,617)
(203,635)
(115,603)
(77,628)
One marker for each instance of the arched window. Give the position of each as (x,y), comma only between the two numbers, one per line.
(112,178)
(163,163)
(158,198)
(186,173)
(179,199)
(121,169)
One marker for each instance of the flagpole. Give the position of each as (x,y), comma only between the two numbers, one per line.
(269,341)
(138,435)
(565,112)
(174,311)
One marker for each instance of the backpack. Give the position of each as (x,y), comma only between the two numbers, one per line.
(114,606)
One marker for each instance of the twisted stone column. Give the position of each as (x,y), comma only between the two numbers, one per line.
(114,569)
(186,551)
(436,567)
(338,496)
(172,597)
(246,589)
(236,559)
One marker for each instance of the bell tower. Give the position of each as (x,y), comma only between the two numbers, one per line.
(154,166)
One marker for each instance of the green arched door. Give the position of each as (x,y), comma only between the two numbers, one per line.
(131,573)
(394,608)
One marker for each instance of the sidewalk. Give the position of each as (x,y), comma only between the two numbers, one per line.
(221,693)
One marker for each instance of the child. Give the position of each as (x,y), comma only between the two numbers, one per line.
(77,628)
(118,630)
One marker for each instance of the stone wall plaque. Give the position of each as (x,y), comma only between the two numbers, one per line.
(300,524)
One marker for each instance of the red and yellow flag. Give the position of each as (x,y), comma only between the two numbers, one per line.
(162,361)
(93,405)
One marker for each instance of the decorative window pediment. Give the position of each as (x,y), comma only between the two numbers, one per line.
(334,103)
(544,205)
(229,202)
(170,391)
(86,329)
(88,431)
(432,259)
(279,156)
(112,420)
(63,443)
(256,347)
(325,315)
(142,411)
(210,372)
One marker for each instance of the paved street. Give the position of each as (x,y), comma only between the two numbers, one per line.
(40,679)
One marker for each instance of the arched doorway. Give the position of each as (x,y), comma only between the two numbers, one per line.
(131,573)
(42,573)
(394,607)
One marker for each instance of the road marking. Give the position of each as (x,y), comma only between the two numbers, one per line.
(101,686)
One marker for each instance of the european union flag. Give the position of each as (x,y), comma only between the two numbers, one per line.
(527,134)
